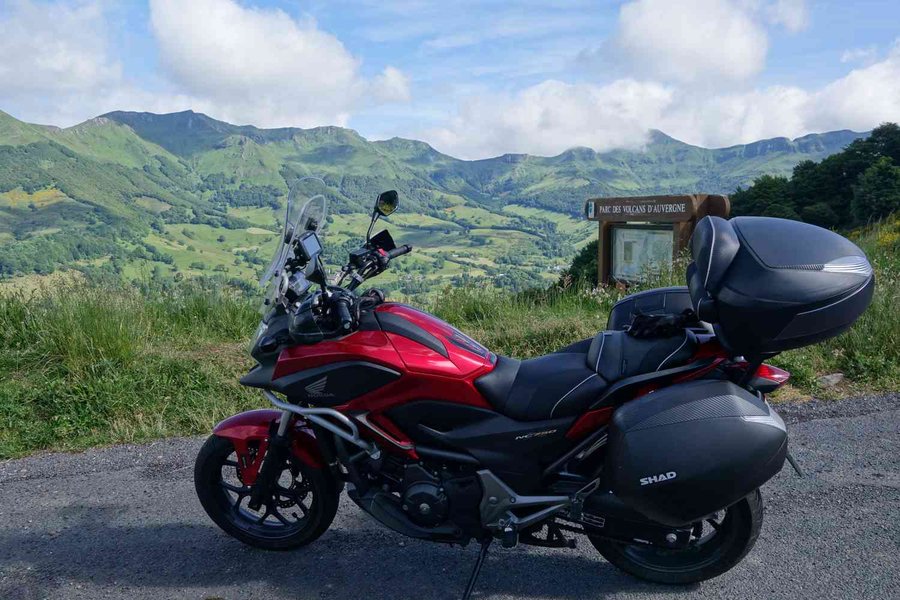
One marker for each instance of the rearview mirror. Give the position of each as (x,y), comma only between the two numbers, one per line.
(387,202)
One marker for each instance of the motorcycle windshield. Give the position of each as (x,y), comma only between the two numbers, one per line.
(305,210)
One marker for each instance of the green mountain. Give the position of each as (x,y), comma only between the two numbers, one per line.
(559,183)
(179,194)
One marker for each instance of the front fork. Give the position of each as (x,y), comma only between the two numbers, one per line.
(277,452)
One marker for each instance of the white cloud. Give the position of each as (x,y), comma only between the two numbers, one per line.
(698,40)
(860,55)
(553,116)
(262,66)
(691,40)
(864,98)
(54,48)
(792,14)
(727,119)
(60,65)
(392,86)
(860,100)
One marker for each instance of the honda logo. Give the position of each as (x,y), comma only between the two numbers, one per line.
(317,389)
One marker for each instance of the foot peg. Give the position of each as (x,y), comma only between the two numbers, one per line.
(575,509)
(509,537)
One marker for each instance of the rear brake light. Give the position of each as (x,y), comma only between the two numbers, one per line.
(773,374)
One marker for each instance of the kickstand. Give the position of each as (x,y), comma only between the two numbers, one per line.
(794,464)
(482,554)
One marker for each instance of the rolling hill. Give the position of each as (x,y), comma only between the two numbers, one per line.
(140,194)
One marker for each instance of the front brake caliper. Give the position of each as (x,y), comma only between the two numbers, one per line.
(250,454)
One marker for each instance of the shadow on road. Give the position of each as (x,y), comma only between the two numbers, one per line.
(342,564)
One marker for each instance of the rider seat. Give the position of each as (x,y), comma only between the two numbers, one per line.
(565,383)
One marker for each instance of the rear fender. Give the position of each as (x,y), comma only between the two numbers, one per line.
(249,432)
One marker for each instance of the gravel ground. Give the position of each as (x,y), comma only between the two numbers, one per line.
(123,522)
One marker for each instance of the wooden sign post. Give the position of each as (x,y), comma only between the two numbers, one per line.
(636,232)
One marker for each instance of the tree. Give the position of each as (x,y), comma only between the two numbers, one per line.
(885,141)
(820,214)
(877,194)
(584,266)
(782,211)
(756,200)
(832,193)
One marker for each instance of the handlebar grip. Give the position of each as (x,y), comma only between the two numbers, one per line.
(404,249)
(343,314)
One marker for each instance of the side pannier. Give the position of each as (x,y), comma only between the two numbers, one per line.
(678,454)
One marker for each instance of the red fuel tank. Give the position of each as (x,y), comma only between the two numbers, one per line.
(431,360)
(429,345)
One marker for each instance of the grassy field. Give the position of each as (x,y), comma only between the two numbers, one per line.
(448,245)
(82,364)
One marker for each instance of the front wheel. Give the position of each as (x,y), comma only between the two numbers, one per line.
(300,508)
(719,542)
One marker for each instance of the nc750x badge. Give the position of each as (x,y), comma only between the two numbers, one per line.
(528,436)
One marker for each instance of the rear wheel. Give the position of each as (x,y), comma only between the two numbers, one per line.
(719,542)
(300,508)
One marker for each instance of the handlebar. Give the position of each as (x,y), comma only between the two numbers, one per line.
(399,251)
(341,307)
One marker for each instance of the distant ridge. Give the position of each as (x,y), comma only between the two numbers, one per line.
(187,132)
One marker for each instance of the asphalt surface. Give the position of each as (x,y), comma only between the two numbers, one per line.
(123,522)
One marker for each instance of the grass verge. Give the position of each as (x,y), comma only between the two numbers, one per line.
(83,365)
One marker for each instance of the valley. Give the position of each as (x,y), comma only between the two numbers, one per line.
(143,196)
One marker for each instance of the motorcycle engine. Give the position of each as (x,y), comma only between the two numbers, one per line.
(432,496)
(423,498)
(425,503)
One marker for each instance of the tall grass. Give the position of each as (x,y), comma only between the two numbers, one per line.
(83,364)
(101,363)
(869,353)
(538,321)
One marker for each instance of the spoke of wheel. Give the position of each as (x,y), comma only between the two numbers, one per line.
(268,512)
(295,495)
(303,509)
(280,517)
(236,507)
(714,524)
(230,463)
(239,490)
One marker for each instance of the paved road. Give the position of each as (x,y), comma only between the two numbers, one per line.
(123,523)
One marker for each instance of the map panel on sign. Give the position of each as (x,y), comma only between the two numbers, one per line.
(638,252)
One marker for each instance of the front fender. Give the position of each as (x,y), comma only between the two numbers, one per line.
(249,432)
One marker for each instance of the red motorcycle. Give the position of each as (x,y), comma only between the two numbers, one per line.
(652,438)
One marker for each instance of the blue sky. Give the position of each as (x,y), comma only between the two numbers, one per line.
(474,79)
